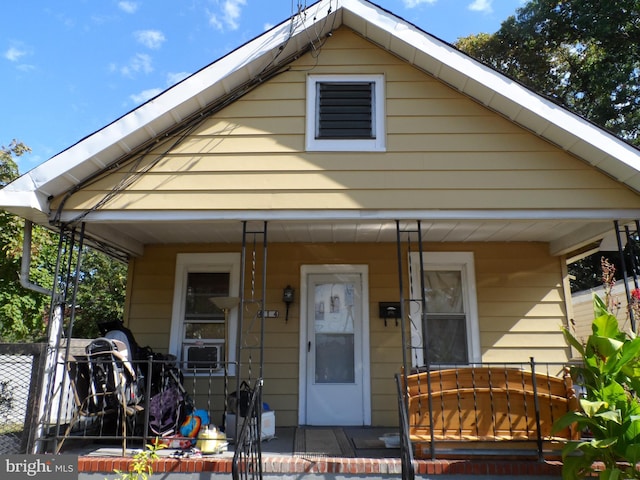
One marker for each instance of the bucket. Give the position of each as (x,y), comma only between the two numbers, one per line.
(211,440)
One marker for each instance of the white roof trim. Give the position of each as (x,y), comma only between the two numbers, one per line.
(143,116)
(438,58)
(499,84)
(104,216)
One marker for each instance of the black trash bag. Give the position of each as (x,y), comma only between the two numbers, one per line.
(241,403)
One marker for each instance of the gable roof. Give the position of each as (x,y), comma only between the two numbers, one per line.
(228,78)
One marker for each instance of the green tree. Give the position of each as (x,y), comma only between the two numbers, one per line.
(101,292)
(23,312)
(584,54)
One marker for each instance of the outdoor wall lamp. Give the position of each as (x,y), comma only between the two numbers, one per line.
(287,298)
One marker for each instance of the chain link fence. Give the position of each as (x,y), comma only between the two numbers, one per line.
(21,368)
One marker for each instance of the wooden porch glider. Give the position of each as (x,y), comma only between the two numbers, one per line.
(487,410)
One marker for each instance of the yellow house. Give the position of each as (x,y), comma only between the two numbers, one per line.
(330,155)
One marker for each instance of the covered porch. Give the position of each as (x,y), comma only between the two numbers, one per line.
(210,384)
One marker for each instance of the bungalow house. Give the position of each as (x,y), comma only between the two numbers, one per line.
(306,175)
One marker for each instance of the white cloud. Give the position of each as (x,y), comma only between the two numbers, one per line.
(150,38)
(25,67)
(128,7)
(140,63)
(14,53)
(215,23)
(231,10)
(481,6)
(145,95)
(415,3)
(173,78)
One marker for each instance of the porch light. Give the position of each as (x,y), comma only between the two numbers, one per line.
(287,298)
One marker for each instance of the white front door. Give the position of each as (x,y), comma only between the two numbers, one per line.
(335,348)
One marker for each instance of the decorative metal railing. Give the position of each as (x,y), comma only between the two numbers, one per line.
(247,458)
(106,397)
(406,450)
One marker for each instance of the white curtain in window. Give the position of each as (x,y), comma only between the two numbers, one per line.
(443,291)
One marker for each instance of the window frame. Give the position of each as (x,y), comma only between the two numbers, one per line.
(377,144)
(446,261)
(203,263)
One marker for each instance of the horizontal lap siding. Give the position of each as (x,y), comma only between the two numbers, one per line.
(520,302)
(444,151)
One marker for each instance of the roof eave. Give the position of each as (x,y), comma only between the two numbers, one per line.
(443,61)
(148,121)
(497,92)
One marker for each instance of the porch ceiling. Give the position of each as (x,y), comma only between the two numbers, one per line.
(562,235)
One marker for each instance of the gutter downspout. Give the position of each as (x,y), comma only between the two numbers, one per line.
(26,262)
(50,366)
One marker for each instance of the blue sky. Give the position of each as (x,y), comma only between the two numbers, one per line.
(70,67)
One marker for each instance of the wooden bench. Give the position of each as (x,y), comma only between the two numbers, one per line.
(487,408)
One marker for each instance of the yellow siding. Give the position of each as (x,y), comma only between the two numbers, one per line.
(583,315)
(444,151)
(520,301)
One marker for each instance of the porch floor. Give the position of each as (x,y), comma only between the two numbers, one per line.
(352,450)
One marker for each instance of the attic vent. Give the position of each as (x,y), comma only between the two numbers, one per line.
(345,113)
(345,110)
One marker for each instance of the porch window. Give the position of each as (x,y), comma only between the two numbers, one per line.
(201,337)
(345,113)
(449,328)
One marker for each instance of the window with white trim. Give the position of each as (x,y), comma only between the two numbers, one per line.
(202,337)
(450,330)
(345,113)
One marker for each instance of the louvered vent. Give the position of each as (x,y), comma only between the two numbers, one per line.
(345,110)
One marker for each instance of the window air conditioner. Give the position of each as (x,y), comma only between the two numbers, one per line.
(203,357)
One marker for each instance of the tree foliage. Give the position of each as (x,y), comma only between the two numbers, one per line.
(23,312)
(101,292)
(584,54)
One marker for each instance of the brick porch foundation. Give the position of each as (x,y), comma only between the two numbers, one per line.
(287,464)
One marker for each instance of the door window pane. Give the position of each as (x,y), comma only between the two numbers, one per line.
(334,304)
(334,358)
(334,330)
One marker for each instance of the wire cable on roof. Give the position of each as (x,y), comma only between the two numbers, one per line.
(184,129)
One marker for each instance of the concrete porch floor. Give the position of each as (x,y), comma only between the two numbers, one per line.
(356,442)
(362,454)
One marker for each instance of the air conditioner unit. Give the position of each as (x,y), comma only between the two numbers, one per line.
(203,357)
